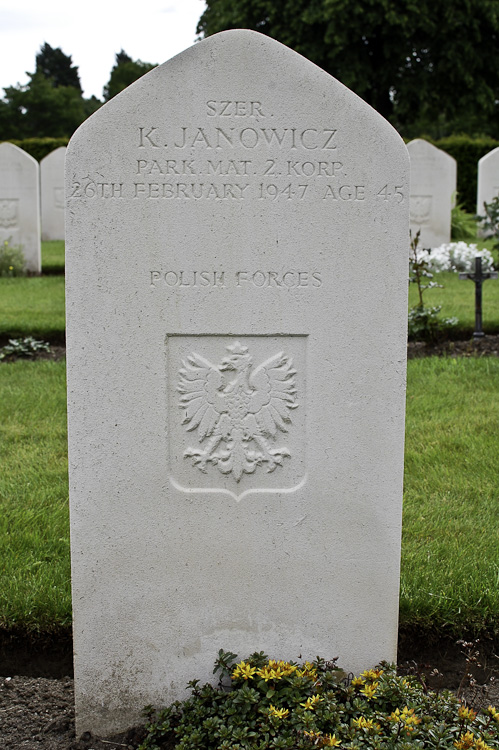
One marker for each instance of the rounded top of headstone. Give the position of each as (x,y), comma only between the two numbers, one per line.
(494,154)
(57,153)
(421,148)
(11,151)
(249,61)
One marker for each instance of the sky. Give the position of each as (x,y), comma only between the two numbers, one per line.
(92,32)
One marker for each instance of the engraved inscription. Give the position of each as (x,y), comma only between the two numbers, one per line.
(288,279)
(238,409)
(233,156)
(8,213)
(234,109)
(420,208)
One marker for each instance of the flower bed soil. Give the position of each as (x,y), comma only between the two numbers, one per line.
(37,713)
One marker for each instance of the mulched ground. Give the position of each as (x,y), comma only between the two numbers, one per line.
(37,712)
(483,347)
(488,346)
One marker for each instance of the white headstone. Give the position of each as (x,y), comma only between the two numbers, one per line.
(236,332)
(52,192)
(488,179)
(433,191)
(20,203)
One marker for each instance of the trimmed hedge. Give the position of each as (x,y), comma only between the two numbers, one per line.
(38,148)
(467,152)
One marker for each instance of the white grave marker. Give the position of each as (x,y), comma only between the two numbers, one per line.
(488,179)
(20,203)
(433,190)
(237,312)
(52,192)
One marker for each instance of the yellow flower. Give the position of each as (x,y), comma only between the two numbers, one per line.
(11,268)
(363,723)
(407,717)
(481,745)
(466,714)
(494,713)
(331,740)
(279,713)
(358,682)
(465,741)
(266,673)
(323,740)
(370,690)
(246,671)
(308,670)
(311,703)
(372,674)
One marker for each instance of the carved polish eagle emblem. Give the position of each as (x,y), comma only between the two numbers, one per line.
(237,410)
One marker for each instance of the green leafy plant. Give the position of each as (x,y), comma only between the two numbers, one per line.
(424,322)
(12,262)
(463,224)
(286,706)
(490,220)
(26,347)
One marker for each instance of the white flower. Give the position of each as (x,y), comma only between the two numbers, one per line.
(458,256)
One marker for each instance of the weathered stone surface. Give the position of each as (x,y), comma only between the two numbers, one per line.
(237,311)
(20,203)
(433,190)
(52,192)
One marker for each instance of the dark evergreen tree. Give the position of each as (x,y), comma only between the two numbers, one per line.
(57,67)
(425,64)
(124,72)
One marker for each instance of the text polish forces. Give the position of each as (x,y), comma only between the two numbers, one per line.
(290,279)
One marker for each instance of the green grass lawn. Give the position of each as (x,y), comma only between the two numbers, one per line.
(34,519)
(53,257)
(32,306)
(450,551)
(457,299)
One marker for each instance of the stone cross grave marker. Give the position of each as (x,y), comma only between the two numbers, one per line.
(236,333)
(478,277)
(52,194)
(20,203)
(433,190)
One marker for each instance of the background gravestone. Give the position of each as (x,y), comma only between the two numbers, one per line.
(20,203)
(236,332)
(488,179)
(433,192)
(52,194)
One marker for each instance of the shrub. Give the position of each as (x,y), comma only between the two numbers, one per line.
(38,148)
(12,262)
(23,348)
(424,322)
(490,222)
(467,152)
(283,705)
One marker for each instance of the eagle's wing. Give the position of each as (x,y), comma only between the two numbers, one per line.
(274,395)
(200,385)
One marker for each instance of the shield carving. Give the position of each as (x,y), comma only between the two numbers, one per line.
(420,209)
(8,213)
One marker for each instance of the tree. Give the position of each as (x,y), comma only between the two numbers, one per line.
(54,65)
(50,105)
(429,60)
(41,110)
(124,72)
